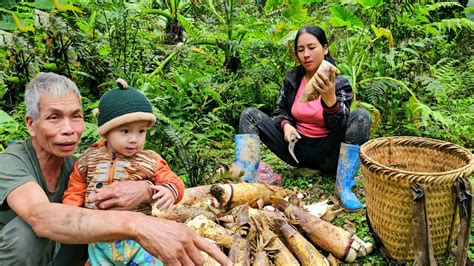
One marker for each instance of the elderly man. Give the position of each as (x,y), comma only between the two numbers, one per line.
(34,175)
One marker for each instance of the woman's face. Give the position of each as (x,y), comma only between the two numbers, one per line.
(310,52)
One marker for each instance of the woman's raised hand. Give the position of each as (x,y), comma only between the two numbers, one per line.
(326,86)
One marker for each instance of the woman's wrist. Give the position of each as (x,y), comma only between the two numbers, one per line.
(283,123)
(330,102)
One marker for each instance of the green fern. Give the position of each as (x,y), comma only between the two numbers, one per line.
(192,165)
(422,113)
(447,80)
(441,5)
(447,74)
(445,25)
(376,90)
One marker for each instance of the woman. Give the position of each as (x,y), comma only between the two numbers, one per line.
(319,125)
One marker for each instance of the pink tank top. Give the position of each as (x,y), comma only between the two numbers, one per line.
(309,116)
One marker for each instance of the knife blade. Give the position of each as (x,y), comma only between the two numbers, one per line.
(291,146)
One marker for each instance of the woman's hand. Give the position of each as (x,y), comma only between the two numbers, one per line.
(288,131)
(326,86)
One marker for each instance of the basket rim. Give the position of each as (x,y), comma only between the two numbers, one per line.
(365,157)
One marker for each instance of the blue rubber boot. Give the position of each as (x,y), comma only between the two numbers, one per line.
(346,170)
(247,155)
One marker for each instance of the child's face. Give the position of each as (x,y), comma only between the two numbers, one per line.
(127,139)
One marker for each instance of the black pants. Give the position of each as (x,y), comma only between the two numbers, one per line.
(316,153)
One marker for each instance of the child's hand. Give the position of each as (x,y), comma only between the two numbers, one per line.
(164,198)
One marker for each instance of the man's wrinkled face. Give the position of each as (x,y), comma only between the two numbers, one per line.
(58,129)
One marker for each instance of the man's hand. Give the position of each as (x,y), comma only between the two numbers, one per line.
(326,86)
(289,130)
(171,242)
(176,244)
(164,198)
(124,195)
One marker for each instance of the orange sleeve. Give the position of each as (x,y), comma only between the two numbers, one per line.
(164,174)
(76,189)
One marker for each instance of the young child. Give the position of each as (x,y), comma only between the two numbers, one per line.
(124,117)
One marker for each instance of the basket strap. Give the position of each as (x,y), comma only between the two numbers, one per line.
(464,198)
(422,245)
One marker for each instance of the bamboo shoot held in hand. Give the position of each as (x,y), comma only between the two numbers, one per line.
(310,93)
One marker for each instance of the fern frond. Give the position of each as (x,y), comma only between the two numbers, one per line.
(430,83)
(383,85)
(422,113)
(448,74)
(173,135)
(441,5)
(445,25)
(376,90)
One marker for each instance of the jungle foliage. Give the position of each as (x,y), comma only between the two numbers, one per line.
(202,62)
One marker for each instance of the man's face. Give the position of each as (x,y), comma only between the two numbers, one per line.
(58,129)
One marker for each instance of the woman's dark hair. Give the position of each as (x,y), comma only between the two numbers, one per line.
(319,34)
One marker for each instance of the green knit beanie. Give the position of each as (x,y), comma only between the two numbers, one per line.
(121,106)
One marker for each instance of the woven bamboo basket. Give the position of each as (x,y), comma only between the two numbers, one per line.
(389,165)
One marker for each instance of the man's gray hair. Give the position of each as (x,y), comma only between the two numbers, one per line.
(54,84)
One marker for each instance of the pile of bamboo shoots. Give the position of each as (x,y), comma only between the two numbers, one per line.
(257,225)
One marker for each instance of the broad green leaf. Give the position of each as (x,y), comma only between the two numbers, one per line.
(346,16)
(70,7)
(271,5)
(370,3)
(105,51)
(7,23)
(469,11)
(338,22)
(295,11)
(47,4)
(4,117)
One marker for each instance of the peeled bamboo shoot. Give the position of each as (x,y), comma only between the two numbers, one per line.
(209,229)
(309,92)
(231,195)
